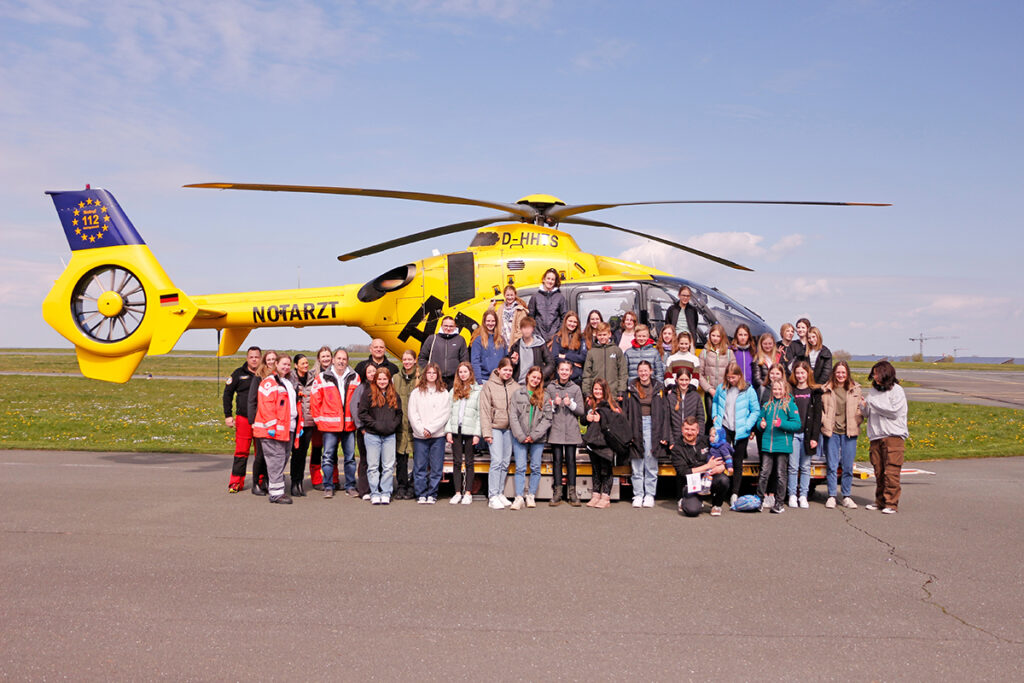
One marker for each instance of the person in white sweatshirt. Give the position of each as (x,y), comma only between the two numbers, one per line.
(885,407)
(429,410)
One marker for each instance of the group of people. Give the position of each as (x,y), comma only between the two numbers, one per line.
(536,375)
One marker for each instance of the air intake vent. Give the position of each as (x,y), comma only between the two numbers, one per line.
(515,265)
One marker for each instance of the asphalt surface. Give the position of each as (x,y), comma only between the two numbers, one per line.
(141,566)
(977,387)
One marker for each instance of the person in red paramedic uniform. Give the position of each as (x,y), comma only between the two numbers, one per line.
(236,390)
(277,423)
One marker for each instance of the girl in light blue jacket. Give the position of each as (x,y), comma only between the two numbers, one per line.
(736,409)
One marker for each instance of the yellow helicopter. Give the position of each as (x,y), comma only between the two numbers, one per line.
(116,304)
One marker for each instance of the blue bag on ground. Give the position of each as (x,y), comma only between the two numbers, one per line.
(747,503)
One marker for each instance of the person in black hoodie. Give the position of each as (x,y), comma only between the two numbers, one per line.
(818,356)
(548,306)
(648,414)
(789,350)
(378,358)
(380,411)
(527,351)
(690,456)
(689,318)
(447,348)
(600,454)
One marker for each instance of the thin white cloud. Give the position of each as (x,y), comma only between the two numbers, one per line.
(745,248)
(605,54)
(498,10)
(963,304)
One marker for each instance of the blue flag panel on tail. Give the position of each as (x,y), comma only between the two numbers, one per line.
(93,218)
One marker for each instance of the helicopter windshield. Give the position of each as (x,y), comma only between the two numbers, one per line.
(713,306)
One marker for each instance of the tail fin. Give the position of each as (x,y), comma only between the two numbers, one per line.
(113,301)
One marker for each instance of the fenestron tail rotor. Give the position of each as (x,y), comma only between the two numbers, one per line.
(538,209)
(108,304)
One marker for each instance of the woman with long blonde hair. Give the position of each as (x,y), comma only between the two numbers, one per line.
(487,346)
(568,345)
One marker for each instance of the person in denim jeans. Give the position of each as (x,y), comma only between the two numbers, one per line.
(429,410)
(495,398)
(807,396)
(530,419)
(380,412)
(647,410)
(331,404)
(840,424)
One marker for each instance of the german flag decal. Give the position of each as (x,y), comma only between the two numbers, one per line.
(169,299)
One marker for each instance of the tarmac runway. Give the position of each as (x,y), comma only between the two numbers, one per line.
(141,566)
(978,387)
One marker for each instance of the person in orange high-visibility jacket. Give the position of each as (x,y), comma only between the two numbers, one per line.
(278,423)
(331,404)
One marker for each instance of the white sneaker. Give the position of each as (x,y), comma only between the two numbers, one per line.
(803,502)
(467,498)
(456,499)
(495,504)
(505,501)
(871,506)
(531,502)
(732,499)
(848,503)
(792,502)
(765,504)
(385,500)
(638,502)
(431,500)
(366,496)
(517,504)
(648,501)
(831,502)
(770,500)
(888,511)
(375,499)
(422,500)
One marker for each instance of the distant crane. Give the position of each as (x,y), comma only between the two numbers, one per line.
(921,339)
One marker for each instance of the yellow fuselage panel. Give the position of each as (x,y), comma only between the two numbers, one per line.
(514,253)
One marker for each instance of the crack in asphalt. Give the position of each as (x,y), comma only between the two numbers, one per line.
(930,578)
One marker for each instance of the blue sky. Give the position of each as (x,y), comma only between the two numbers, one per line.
(914,103)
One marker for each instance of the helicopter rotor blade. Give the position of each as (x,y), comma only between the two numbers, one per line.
(560,212)
(696,252)
(425,235)
(519,210)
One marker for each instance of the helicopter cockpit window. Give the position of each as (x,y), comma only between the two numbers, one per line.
(612,304)
(725,313)
(393,280)
(658,302)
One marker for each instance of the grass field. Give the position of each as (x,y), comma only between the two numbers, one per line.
(199,364)
(185,416)
(910,365)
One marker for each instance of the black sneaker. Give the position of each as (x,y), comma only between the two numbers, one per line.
(778,509)
(281,500)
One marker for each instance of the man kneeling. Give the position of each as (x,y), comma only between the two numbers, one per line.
(690,456)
